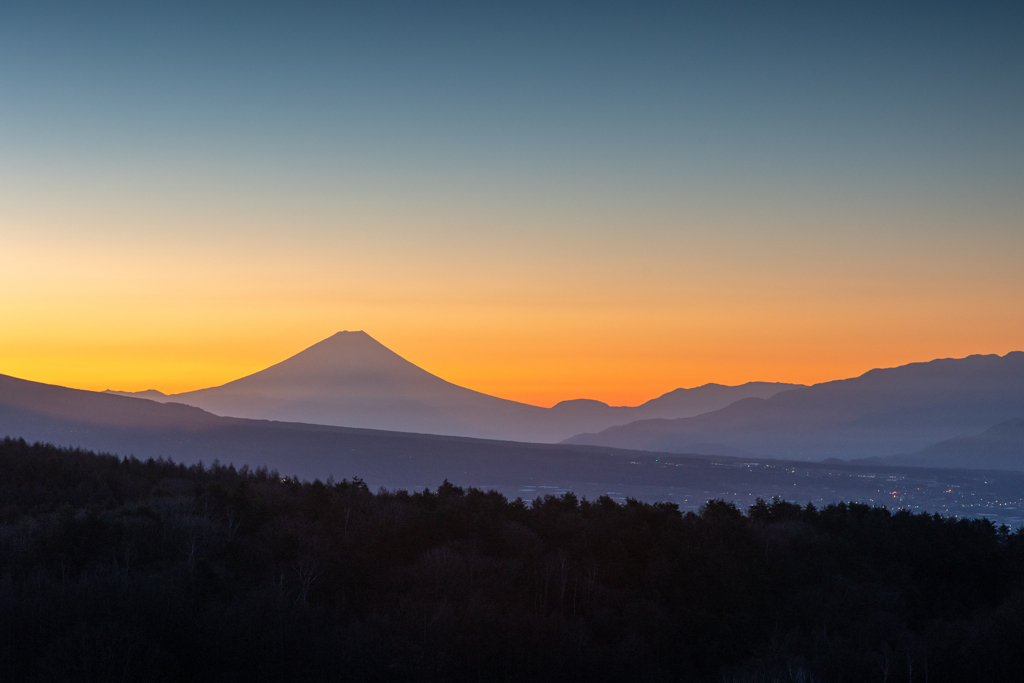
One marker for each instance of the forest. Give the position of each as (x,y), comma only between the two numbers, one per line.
(118,569)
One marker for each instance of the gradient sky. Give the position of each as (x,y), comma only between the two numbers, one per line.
(536,200)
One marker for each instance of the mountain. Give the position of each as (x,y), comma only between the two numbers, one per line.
(132,426)
(30,409)
(882,412)
(151,394)
(999,447)
(352,380)
(144,428)
(104,422)
(676,403)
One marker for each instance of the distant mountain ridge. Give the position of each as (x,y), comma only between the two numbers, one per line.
(151,394)
(127,426)
(883,412)
(934,414)
(999,447)
(351,380)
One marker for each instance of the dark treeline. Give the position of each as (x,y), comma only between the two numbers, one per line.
(121,570)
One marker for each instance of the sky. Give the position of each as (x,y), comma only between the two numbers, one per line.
(541,201)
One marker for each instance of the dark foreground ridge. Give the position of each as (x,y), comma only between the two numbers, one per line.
(119,569)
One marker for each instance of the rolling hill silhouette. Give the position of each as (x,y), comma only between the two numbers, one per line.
(882,412)
(1000,447)
(352,380)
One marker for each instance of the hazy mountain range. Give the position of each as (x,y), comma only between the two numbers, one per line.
(999,447)
(144,428)
(132,426)
(351,380)
(952,413)
(883,412)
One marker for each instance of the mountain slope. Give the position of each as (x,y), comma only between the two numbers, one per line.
(352,380)
(883,412)
(45,403)
(676,403)
(145,428)
(999,447)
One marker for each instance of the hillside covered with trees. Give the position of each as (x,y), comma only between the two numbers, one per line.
(117,569)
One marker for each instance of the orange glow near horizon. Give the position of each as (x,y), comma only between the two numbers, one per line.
(541,375)
(622,330)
